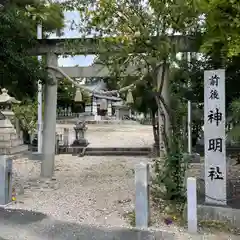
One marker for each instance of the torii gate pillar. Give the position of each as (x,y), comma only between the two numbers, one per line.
(49,126)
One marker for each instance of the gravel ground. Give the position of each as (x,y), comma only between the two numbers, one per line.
(111,135)
(93,190)
(88,190)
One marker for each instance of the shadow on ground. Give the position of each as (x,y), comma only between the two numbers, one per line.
(20,216)
(22,224)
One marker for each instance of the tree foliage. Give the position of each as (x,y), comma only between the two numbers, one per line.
(234,132)
(221,32)
(222,26)
(148,25)
(26,113)
(18,25)
(66,94)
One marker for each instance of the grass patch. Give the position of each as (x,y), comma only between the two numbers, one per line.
(130,217)
(218,226)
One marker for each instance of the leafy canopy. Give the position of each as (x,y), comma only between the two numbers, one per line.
(222,25)
(18,25)
(139,24)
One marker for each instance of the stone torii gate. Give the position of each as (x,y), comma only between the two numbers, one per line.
(54,47)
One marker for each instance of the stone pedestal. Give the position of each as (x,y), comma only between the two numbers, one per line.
(10,143)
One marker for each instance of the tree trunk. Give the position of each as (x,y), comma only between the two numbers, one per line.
(155,133)
(163,102)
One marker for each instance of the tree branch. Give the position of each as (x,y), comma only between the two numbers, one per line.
(163,131)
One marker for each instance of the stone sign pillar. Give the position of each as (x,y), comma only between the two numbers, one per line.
(214,137)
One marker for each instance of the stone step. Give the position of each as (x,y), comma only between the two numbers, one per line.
(14,150)
(35,156)
(109,122)
(117,153)
(114,151)
(99,149)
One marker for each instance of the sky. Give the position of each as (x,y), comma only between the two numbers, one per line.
(76,60)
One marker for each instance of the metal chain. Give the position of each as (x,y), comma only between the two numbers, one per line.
(216,199)
(221,200)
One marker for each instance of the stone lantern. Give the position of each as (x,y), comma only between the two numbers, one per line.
(6,103)
(9,140)
(80,129)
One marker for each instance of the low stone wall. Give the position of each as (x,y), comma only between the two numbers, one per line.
(225,214)
(229,213)
(73,121)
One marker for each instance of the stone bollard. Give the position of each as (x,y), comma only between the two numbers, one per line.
(192,204)
(5,180)
(65,137)
(142,215)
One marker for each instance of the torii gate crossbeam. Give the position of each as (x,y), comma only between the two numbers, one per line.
(92,46)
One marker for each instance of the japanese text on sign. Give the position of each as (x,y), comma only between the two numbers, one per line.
(214,135)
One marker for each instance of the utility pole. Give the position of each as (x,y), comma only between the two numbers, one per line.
(40,125)
(189,111)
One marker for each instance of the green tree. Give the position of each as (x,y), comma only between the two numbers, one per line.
(235,121)
(221,26)
(19,71)
(66,94)
(18,24)
(149,26)
(26,113)
(221,42)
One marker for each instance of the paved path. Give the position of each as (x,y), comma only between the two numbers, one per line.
(26,225)
(22,224)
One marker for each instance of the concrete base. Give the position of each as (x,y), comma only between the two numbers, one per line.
(225,214)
